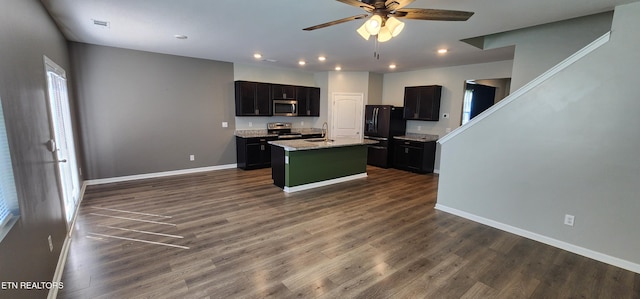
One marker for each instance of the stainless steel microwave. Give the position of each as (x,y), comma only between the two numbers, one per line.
(285,107)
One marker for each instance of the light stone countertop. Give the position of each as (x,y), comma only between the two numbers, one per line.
(305,144)
(254,133)
(418,137)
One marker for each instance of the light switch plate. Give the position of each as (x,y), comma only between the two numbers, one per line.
(225,124)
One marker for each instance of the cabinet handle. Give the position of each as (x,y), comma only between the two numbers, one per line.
(406,150)
(262,140)
(257,111)
(262,147)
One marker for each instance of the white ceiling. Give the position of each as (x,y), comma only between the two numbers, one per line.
(233,30)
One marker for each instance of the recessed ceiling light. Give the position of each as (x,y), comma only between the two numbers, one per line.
(180,36)
(302,62)
(392,66)
(338,68)
(442,51)
(322,58)
(257,56)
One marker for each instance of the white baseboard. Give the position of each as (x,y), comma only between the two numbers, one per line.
(158,174)
(325,183)
(64,252)
(598,256)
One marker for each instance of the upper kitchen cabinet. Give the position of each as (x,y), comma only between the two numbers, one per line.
(422,102)
(253,98)
(308,101)
(286,92)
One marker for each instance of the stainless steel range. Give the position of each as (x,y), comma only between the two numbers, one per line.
(283,129)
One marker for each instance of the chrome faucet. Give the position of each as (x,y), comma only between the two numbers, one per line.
(325,131)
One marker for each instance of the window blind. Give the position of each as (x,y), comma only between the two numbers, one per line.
(8,196)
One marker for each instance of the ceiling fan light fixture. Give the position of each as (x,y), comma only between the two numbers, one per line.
(363,31)
(384,34)
(373,24)
(394,26)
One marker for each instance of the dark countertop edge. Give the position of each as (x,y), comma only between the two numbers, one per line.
(265,134)
(419,138)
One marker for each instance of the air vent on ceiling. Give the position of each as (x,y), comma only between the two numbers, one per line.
(100,23)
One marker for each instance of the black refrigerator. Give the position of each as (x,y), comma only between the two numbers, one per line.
(381,123)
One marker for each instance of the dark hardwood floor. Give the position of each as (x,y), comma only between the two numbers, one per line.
(232,234)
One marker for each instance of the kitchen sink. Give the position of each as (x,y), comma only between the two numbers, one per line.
(318,140)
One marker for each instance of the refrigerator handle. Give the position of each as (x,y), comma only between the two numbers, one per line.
(375,119)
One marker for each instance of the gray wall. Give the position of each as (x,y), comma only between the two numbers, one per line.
(569,146)
(143,112)
(541,47)
(26,34)
(452,80)
(375,89)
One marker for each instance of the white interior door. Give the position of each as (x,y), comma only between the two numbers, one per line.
(62,144)
(347,110)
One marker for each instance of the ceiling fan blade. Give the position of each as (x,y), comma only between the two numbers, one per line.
(366,6)
(336,22)
(433,14)
(397,4)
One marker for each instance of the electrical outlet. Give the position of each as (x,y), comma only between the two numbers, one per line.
(50,243)
(250,124)
(302,123)
(192,157)
(225,124)
(569,219)
(419,128)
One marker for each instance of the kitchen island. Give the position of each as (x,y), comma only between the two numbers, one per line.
(298,165)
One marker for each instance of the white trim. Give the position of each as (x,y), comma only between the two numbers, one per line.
(529,86)
(66,245)
(598,256)
(436,171)
(58,69)
(62,260)
(325,183)
(158,174)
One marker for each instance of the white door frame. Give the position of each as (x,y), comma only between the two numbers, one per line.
(63,147)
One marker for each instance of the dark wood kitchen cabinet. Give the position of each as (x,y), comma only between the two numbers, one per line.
(308,100)
(253,153)
(415,156)
(422,102)
(283,92)
(253,98)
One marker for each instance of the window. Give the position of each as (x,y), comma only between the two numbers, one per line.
(9,210)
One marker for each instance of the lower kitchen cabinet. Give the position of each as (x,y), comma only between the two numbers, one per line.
(253,153)
(415,156)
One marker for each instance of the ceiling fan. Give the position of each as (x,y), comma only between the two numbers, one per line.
(384,22)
